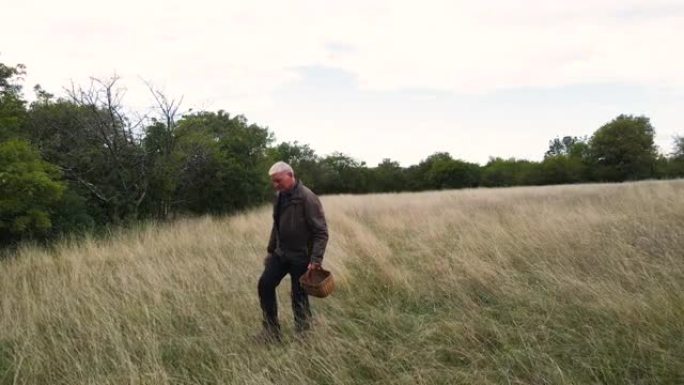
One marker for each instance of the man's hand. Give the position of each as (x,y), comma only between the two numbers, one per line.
(314,266)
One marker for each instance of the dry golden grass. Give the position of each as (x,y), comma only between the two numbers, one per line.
(559,285)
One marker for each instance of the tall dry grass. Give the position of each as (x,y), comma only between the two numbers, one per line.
(549,285)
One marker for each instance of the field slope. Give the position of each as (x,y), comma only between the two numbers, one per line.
(547,285)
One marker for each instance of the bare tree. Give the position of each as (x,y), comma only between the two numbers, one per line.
(168,113)
(118,175)
(159,146)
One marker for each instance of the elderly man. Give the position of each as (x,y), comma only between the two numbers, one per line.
(298,239)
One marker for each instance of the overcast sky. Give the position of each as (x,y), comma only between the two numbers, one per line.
(375,79)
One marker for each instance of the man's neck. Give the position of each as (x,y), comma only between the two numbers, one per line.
(288,191)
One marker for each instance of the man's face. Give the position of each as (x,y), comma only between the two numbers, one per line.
(282,181)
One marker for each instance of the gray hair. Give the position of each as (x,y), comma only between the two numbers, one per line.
(279,167)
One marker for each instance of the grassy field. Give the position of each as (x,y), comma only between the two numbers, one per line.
(543,285)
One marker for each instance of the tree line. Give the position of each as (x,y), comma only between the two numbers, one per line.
(82,162)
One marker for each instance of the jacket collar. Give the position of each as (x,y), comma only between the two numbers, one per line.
(294,192)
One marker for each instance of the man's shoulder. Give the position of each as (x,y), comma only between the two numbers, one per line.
(306,192)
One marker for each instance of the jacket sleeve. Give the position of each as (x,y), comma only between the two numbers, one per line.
(315,219)
(272,240)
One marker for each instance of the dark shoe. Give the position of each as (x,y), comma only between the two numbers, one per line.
(268,337)
(303,333)
(303,329)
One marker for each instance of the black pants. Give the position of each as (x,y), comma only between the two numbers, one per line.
(276,269)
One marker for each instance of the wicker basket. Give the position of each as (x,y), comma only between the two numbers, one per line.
(318,283)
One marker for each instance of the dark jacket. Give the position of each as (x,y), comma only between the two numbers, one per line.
(299,229)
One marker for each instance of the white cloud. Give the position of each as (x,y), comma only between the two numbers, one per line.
(240,48)
(478,47)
